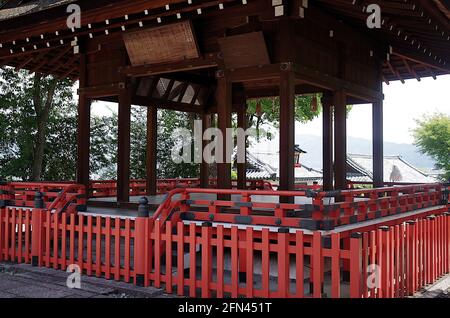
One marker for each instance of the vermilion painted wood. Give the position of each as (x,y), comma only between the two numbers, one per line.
(13,235)
(64,217)
(108,248)
(386,248)
(440,247)
(80,253)
(55,241)
(149,251)
(2,214)
(117,253)
(265,263)
(139,247)
(234,263)
(19,236)
(355,268)
(27,236)
(89,245)
(316,269)
(180,259)
(335,265)
(98,246)
(249,262)
(47,237)
(72,239)
(127,250)
(428,252)
(168,253)
(6,238)
(206,265)
(392,278)
(192,261)
(447,228)
(419,265)
(401,260)
(220,262)
(157,254)
(283,265)
(373,260)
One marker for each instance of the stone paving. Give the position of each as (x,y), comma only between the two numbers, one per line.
(25,281)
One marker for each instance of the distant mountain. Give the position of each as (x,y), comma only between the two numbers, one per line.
(410,153)
(313,146)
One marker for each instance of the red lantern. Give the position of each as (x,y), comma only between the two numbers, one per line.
(258,109)
(314,104)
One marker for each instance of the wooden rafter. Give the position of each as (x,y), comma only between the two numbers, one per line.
(411,69)
(395,72)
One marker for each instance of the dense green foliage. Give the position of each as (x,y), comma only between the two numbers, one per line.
(23,118)
(432,136)
(25,101)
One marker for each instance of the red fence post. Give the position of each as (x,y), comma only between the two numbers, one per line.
(2,209)
(283,263)
(410,258)
(36,232)
(206,259)
(386,276)
(355,265)
(140,253)
(447,241)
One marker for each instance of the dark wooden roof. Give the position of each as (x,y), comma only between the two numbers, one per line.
(418,31)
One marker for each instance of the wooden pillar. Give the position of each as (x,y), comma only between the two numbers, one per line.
(340,143)
(327,154)
(123,156)
(287,128)
(377,139)
(204,166)
(83,129)
(242,167)
(152,137)
(224,108)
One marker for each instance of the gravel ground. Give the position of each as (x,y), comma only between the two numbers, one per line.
(25,281)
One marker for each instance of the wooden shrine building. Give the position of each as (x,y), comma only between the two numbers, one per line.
(209,57)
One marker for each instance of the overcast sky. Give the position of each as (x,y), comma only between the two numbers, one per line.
(403,104)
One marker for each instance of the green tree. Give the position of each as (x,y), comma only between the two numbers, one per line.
(263,113)
(432,136)
(34,109)
(38,129)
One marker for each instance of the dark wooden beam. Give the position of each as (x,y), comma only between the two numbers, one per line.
(224,108)
(204,166)
(181,107)
(158,69)
(324,81)
(152,137)
(377,139)
(98,92)
(123,148)
(287,130)
(254,73)
(327,154)
(340,141)
(242,167)
(83,129)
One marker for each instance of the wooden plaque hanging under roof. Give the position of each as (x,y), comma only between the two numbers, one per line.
(164,44)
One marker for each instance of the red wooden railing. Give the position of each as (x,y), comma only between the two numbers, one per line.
(219,241)
(410,256)
(63,197)
(313,210)
(108,188)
